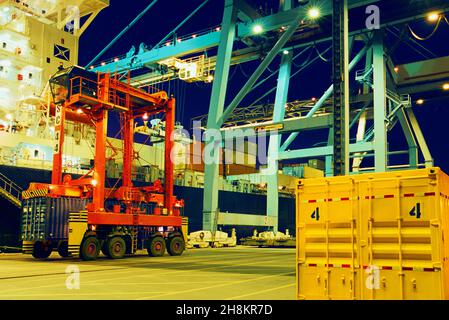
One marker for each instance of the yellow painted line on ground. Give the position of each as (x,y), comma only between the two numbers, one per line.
(108,275)
(123,266)
(218,285)
(262,291)
(171,272)
(74,295)
(152,283)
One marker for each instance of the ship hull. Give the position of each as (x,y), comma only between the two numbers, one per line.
(235,202)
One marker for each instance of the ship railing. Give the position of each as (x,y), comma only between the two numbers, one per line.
(10,187)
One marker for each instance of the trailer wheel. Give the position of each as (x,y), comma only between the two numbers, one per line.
(156,246)
(175,246)
(41,250)
(63,249)
(90,248)
(115,247)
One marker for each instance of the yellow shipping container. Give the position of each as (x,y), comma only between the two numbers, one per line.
(373,236)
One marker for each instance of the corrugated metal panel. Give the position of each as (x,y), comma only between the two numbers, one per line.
(374,236)
(58,214)
(47,218)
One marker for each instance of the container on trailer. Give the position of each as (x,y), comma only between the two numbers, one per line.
(47,218)
(374,236)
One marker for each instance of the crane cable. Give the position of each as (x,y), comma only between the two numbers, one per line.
(321,55)
(431,34)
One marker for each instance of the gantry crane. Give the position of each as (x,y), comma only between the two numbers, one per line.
(81,216)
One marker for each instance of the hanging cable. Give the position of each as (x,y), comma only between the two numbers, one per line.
(305,62)
(320,55)
(304,65)
(430,35)
(243,71)
(233,73)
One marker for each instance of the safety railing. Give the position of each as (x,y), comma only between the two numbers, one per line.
(10,190)
(84,87)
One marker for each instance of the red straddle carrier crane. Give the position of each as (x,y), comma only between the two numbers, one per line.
(80,217)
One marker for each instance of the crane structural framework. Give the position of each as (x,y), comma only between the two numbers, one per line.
(81,217)
(384,102)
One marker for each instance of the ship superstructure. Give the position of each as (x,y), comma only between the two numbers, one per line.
(36,38)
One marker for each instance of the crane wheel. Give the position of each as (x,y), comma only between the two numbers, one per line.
(115,248)
(175,246)
(41,250)
(90,248)
(156,246)
(63,249)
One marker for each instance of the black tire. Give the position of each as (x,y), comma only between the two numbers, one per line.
(115,247)
(90,248)
(156,246)
(175,246)
(63,249)
(41,250)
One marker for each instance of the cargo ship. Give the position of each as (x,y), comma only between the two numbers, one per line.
(36,40)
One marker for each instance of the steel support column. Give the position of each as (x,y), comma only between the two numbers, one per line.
(128,143)
(328,163)
(99,174)
(169,165)
(216,107)
(428,160)
(411,141)
(340,56)
(275,139)
(361,127)
(379,96)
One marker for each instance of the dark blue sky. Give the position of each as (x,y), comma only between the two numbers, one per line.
(193,99)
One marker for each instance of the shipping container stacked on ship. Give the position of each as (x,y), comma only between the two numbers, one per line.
(232,161)
(374,236)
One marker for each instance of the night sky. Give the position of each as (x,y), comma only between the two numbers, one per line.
(193,99)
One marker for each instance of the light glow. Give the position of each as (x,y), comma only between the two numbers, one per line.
(446,86)
(257,29)
(433,16)
(420,101)
(313,13)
